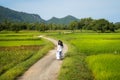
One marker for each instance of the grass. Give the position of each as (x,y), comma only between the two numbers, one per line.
(20,43)
(18,69)
(83,45)
(105,66)
(90,55)
(93,46)
(18,51)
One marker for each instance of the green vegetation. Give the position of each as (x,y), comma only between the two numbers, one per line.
(105,66)
(18,51)
(100,25)
(90,55)
(97,43)
(94,55)
(12,15)
(11,20)
(66,20)
(18,43)
(86,47)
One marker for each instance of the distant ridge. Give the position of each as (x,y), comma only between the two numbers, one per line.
(8,14)
(65,20)
(12,15)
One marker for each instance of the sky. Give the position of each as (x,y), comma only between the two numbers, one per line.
(46,9)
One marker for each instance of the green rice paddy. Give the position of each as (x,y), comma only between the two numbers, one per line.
(18,51)
(91,56)
(105,66)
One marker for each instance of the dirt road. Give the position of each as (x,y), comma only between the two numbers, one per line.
(46,68)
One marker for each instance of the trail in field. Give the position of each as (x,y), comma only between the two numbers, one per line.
(46,68)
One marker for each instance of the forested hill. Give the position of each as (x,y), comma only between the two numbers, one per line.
(12,15)
(65,20)
(8,14)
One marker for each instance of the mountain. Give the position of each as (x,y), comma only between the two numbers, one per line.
(12,15)
(8,14)
(117,23)
(64,20)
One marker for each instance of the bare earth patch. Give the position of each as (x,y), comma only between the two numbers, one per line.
(46,68)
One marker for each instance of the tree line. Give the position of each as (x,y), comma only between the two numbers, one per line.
(99,25)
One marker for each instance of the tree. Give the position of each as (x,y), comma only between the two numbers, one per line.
(49,26)
(43,27)
(6,25)
(117,25)
(85,23)
(111,27)
(15,27)
(54,26)
(23,26)
(30,26)
(101,25)
(1,27)
(73,25)
(37,26)
(93,25)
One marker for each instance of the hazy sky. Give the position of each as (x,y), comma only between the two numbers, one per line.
(108,9)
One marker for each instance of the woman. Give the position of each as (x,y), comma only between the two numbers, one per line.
(59,53)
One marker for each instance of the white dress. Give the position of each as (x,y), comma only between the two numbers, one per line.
(59,52)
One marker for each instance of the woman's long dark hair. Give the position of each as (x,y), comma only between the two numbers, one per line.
(60,42)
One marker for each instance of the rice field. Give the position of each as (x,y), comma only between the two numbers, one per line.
(104,66)
(18,51)
(91,56)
